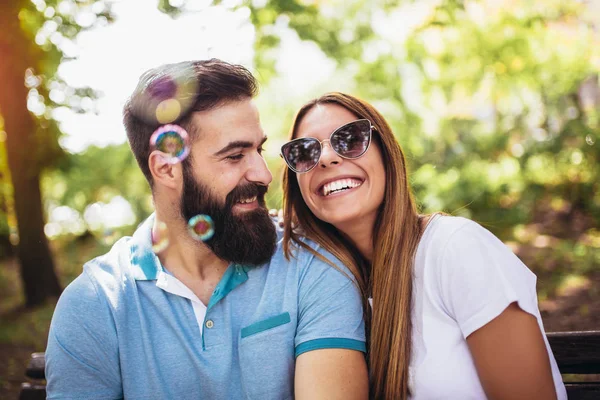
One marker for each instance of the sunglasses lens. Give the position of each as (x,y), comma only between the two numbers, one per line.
(352,140)
(303,154)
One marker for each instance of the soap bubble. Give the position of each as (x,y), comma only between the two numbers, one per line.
(165,94)
(201,227)
(172,140)
(160,238)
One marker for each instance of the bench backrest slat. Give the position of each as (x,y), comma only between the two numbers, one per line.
(576,352)
(583,391)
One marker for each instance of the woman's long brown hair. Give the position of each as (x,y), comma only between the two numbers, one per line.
(389,276)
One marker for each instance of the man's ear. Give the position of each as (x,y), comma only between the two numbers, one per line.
(163,172)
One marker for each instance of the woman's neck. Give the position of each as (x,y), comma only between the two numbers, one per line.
(361,235)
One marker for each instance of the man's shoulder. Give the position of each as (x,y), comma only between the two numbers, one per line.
(115,262)
(104,275)
(299,255)
(311,259)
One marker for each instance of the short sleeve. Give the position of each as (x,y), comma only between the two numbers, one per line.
(82,360)
(330,313)
(479,276)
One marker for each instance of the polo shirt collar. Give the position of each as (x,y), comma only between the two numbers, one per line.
(234,276)
(145,266)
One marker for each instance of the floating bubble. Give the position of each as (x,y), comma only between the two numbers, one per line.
(201,227)
(160,238)
(168,111)
(165,94)
(162,87)
(172,140)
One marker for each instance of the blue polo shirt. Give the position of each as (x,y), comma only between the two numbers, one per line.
(117,332)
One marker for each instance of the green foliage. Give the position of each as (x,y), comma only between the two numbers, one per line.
(97,175)
(498,126)
(51,25)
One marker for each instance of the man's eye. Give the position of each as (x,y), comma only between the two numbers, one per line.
(260,150)
(236,157)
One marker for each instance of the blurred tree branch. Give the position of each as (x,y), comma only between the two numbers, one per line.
(32,32)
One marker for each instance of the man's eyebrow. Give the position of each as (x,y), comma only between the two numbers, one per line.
(238,144)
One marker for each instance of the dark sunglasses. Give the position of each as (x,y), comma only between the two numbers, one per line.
(348,141)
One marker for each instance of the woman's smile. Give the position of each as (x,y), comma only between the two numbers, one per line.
(339,186)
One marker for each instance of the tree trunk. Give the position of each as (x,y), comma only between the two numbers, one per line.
(37,267)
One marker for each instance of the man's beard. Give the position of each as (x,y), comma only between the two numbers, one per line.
(247,238)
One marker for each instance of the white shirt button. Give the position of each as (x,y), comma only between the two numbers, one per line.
(209,324)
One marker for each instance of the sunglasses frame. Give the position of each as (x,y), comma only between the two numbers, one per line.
(371,129)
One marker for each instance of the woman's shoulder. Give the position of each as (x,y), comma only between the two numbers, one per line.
(449,238)
(456,243)
(442,228)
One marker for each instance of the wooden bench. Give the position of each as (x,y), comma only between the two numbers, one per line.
(576,353)
(35,390)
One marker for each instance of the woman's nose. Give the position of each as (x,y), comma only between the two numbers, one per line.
(328,155)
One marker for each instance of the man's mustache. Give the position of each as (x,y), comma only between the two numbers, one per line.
(245,192)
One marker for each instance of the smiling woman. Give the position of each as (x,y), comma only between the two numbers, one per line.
(341,195)
(444,290)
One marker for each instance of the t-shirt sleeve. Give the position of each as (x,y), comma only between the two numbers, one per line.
(330,313)
(479,276)
(82,360)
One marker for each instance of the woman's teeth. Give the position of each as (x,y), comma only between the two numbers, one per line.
(339,185)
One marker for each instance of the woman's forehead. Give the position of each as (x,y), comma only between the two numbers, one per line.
(321,120)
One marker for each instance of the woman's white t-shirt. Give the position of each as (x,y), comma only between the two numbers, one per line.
(464,277)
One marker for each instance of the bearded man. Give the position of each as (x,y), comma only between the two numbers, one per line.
(200,303)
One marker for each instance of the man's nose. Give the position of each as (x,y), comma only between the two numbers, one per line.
(259,172)
(328,155)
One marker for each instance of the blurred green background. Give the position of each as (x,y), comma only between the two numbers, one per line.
(496,104)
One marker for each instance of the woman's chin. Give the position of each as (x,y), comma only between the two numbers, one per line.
(341,218)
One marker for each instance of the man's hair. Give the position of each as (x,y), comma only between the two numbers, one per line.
(213,82)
